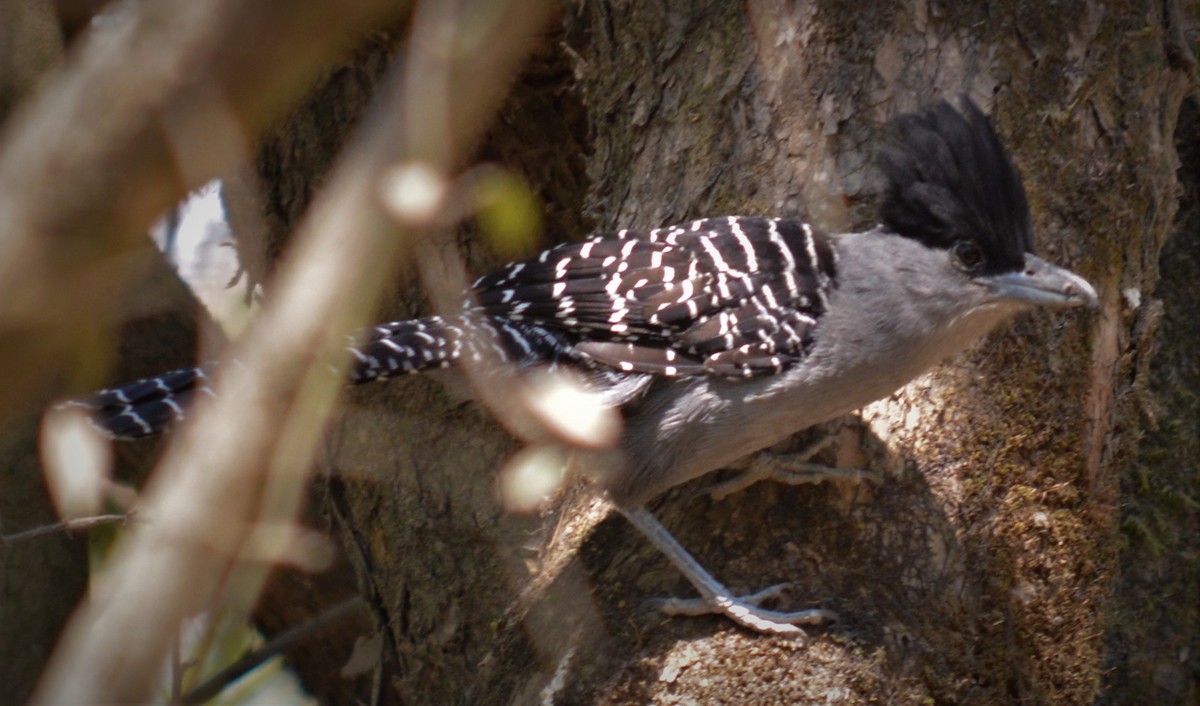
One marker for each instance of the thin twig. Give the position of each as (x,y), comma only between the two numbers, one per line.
(251,660)
(74,525)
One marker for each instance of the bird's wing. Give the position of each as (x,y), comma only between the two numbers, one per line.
(723,296)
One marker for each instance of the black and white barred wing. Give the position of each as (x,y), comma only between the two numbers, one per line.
(724,296)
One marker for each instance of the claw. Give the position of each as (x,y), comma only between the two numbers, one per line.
(792,469)
(716,598)
(748,605)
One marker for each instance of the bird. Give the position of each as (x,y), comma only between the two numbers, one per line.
(720,337)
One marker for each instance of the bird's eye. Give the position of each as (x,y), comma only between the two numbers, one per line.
(968,255)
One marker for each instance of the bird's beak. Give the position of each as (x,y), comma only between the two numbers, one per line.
(1042,284)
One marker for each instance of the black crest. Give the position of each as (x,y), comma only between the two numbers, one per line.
(950,179)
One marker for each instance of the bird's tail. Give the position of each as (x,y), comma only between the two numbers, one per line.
(151,405)
(148,406)
(419,345)
(403,347)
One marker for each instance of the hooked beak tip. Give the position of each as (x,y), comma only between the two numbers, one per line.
(1040,283)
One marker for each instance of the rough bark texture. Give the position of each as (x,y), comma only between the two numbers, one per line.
(992,564)
(1154,632)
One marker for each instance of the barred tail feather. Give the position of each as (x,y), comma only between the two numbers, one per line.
(434,342)
(148,406)
(151,405)
(404,347)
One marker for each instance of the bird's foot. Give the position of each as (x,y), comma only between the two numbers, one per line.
(746,611)
(714,596)
(790,468)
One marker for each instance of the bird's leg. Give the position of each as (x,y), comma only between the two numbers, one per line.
(715,597)
(791,468)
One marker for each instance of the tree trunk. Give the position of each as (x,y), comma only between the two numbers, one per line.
(993,563)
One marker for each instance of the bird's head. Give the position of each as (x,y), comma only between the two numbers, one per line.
(952,186)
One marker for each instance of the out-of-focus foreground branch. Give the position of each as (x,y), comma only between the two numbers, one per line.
(241,467)
(160,98)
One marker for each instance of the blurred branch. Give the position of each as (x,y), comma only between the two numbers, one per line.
(246,456)
(276,646)
(160,98)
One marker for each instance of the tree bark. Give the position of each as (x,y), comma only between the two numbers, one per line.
(993,563)
(1153,633)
